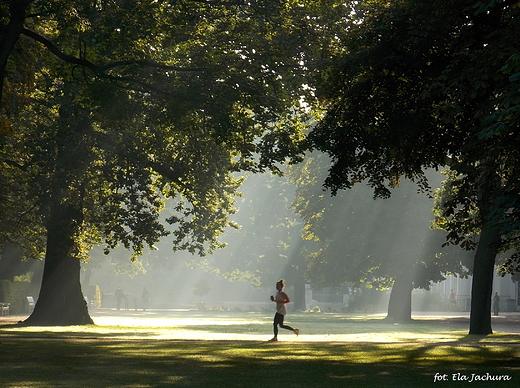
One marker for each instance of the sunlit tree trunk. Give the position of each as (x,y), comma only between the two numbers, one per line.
(482,283)
(400,303)
(61,300)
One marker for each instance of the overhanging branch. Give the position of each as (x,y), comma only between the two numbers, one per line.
(101,70)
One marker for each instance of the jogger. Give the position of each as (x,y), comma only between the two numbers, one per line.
(281,299)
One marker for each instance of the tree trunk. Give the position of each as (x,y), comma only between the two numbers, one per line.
(10,36)
(295,273)
(299,294)
(61,300)
(400,303)
(484,262)
(88,275)
(482,283)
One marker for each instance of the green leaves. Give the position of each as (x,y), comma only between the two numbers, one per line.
(424,85)
(138,105)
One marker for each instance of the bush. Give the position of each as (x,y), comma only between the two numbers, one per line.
(93,294)
(16,294)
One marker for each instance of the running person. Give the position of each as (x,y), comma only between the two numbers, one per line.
(281,299)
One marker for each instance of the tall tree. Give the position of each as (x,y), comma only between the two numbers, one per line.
(429,84)
(382,244)
(134,102)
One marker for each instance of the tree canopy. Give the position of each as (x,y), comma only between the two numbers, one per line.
(123,105)
(427,85)
(110,109)
(379,243)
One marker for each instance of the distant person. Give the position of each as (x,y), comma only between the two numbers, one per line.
(120,295)
(146,298)
(281,299)
(453,300)
(496,303)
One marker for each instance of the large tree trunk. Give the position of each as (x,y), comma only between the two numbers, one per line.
(484,262)
(400,303)
(61,300)
(482,283)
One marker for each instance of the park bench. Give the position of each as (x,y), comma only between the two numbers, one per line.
(5,309)
(31,302)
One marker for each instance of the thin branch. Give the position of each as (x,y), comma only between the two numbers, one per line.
(157,65)
(100,70)
(12,163)
(65,57)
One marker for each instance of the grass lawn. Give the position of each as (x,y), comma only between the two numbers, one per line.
(229,349)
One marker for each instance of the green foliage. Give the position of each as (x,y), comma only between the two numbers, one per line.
(15,293)
(447,218)
(419,88)
(132,104)
(356,239)
(135,114)
(93,294)
(97,297)
(430,85)
(24,278)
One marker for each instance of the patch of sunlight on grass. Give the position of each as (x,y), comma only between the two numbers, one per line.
(185,333)
(382,337)
(254,326)
(173,379)
(161,322)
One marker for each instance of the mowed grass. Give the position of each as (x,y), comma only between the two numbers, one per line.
(230,350)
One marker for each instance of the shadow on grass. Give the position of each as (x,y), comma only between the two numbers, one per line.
(26,363)
(495,338)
